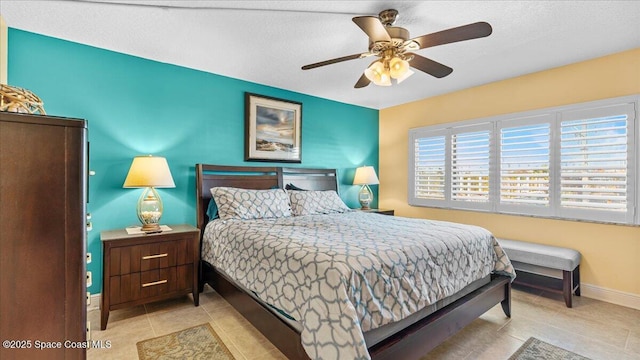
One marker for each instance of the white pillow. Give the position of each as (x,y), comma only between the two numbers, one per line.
(235,203)
(316,202)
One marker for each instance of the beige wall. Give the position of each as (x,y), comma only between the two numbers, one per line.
(611,253)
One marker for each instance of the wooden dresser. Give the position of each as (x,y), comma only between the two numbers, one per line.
(43,175)
(141,268)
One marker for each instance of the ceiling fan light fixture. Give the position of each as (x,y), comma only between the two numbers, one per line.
(385,79)
(398,68)
(394,49)
(377,74)
(405,76)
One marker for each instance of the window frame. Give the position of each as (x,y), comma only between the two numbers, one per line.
(554,116)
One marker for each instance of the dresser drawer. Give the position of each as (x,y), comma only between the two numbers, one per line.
(147,284)
(144,257)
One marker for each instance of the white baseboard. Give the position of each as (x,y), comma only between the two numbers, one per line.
(94,303)
(609,295)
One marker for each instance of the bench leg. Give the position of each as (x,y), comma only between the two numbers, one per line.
(576,280)
(567,288)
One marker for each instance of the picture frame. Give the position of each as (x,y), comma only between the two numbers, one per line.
(273,129)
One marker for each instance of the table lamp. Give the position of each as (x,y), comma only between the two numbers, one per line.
(149,172)
(365,176)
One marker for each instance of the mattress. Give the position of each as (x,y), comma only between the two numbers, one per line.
(344,275)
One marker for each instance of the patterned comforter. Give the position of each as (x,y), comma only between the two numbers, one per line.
(341,275)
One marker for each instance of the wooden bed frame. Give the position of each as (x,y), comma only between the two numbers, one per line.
(412,342)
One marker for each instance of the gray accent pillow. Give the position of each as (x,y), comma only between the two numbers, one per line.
(316,202)
(235,203)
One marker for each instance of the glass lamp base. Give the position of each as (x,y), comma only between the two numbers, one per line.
(365,196)
(151,228)
(149,210)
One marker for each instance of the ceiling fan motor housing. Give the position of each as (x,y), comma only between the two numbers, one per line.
(388,17)
(398,36)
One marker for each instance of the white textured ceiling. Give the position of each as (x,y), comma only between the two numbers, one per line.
(268,41)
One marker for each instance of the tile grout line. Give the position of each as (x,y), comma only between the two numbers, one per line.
(588,338)
(626,343)
(229,338)
(505,324)
(226,333)
(146,313)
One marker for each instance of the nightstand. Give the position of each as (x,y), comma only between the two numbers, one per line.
(142,268)
(379,211)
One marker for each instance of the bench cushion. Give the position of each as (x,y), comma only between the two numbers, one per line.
(542,255)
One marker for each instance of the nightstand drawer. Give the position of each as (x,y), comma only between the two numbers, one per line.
(158,255)
(147,284)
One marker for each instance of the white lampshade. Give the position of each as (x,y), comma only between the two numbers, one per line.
(398,67)
(404,76)
(377,74)
(365,175)
(149,171)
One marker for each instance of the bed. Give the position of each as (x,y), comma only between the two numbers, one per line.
(360,333)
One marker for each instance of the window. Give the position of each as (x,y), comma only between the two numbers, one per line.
(525,165)
(595,164)
(430,168)
(470,166)
(573,162)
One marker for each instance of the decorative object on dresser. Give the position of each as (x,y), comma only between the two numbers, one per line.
(273,129)
(42,254)
(149,172)
(16,99)
(142,268)
(365,176)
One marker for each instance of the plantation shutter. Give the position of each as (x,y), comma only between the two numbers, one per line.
(525,158)
(575,162)
(430,168)
(471,166)
(595,163)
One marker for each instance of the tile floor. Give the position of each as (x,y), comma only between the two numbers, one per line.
(592,328)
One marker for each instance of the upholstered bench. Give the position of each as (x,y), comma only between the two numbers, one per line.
(545,267)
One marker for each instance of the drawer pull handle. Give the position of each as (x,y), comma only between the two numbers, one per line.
(155,256)
(154,283)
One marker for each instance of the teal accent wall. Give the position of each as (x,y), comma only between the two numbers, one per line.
(136,106)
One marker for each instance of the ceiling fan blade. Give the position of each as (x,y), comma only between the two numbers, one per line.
(332,61)
(362,82)
(429,66)
(372,26)
(460,33)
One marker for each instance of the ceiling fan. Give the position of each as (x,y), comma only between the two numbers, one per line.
(395,50)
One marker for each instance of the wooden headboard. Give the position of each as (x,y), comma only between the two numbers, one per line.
(250,177)
(309,179)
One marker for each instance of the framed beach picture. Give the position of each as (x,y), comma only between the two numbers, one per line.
(272,129)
